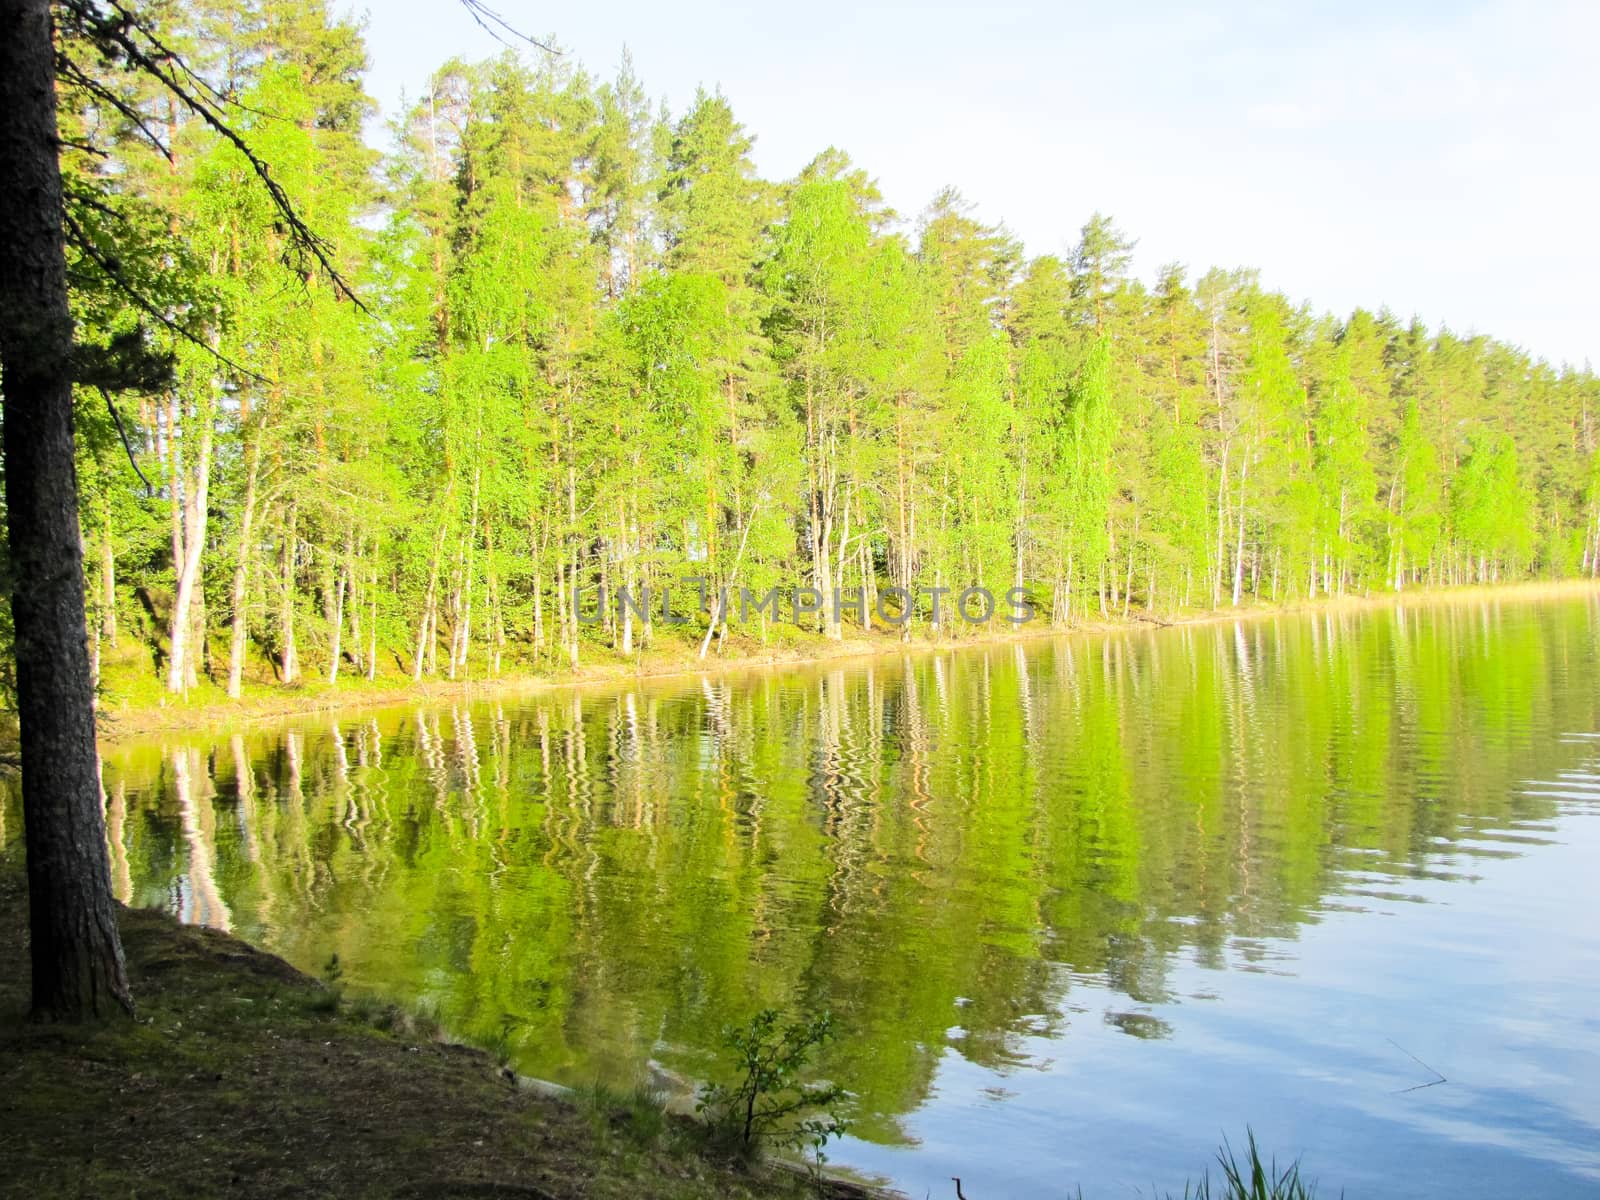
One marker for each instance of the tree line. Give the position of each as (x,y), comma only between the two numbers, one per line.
(585,345)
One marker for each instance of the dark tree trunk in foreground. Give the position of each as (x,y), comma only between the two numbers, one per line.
(76,954)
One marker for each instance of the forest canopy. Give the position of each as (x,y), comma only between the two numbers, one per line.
(584,344)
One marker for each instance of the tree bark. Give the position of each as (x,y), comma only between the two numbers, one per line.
(188,544)
(372,631)
(337,624)
(1238,551)
(289,656)
(240,628)
(425,629)
(76,955)
(108,584)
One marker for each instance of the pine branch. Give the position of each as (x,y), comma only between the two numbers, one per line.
(85,245)
(161,63)
(73,191)
(78,77)
(83,147)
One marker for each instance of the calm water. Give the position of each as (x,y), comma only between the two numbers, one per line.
(1082,907)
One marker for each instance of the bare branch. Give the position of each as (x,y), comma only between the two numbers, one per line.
(116,419)
(488,19)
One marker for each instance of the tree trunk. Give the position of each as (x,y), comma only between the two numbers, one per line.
(353,579)
(1020,530)
(289,662)
(1238,551)
(76,955)
(624,581)
(425,629)
(188,544)
(538,605)
(1222,528)
(337,625)
(372,631)
(239,633)
(108,584)
(461,641)
(198,657)
(572,523)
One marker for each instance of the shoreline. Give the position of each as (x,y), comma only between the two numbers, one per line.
(304,1090)
(375,1099)
(129,722)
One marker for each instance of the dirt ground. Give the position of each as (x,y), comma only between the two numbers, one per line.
(243,1077)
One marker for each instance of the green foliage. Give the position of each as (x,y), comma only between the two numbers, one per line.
(769,1103)
(1489,508)
(600,350)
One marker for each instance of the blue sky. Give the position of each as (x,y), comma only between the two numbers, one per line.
(1438,158)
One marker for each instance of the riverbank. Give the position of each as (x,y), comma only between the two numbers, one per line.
(133,706)
(244,1077)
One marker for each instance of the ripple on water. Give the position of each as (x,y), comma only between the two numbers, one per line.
(1080,906)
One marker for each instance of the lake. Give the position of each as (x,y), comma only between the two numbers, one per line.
(1080,906)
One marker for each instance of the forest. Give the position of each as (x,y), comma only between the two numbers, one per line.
(557,338)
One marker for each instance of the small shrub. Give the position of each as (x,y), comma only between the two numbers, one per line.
(327,998)
(332,972)
(423,1021)
(379,1014)
(503,1045)
(641,1113)
(768,1104)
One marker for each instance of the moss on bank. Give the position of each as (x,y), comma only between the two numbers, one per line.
(240,1078)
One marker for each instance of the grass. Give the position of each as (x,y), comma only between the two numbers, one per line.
(1251,1179)
(640,1114)
(243,1077)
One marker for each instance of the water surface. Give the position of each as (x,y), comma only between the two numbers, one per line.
(1081,906)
